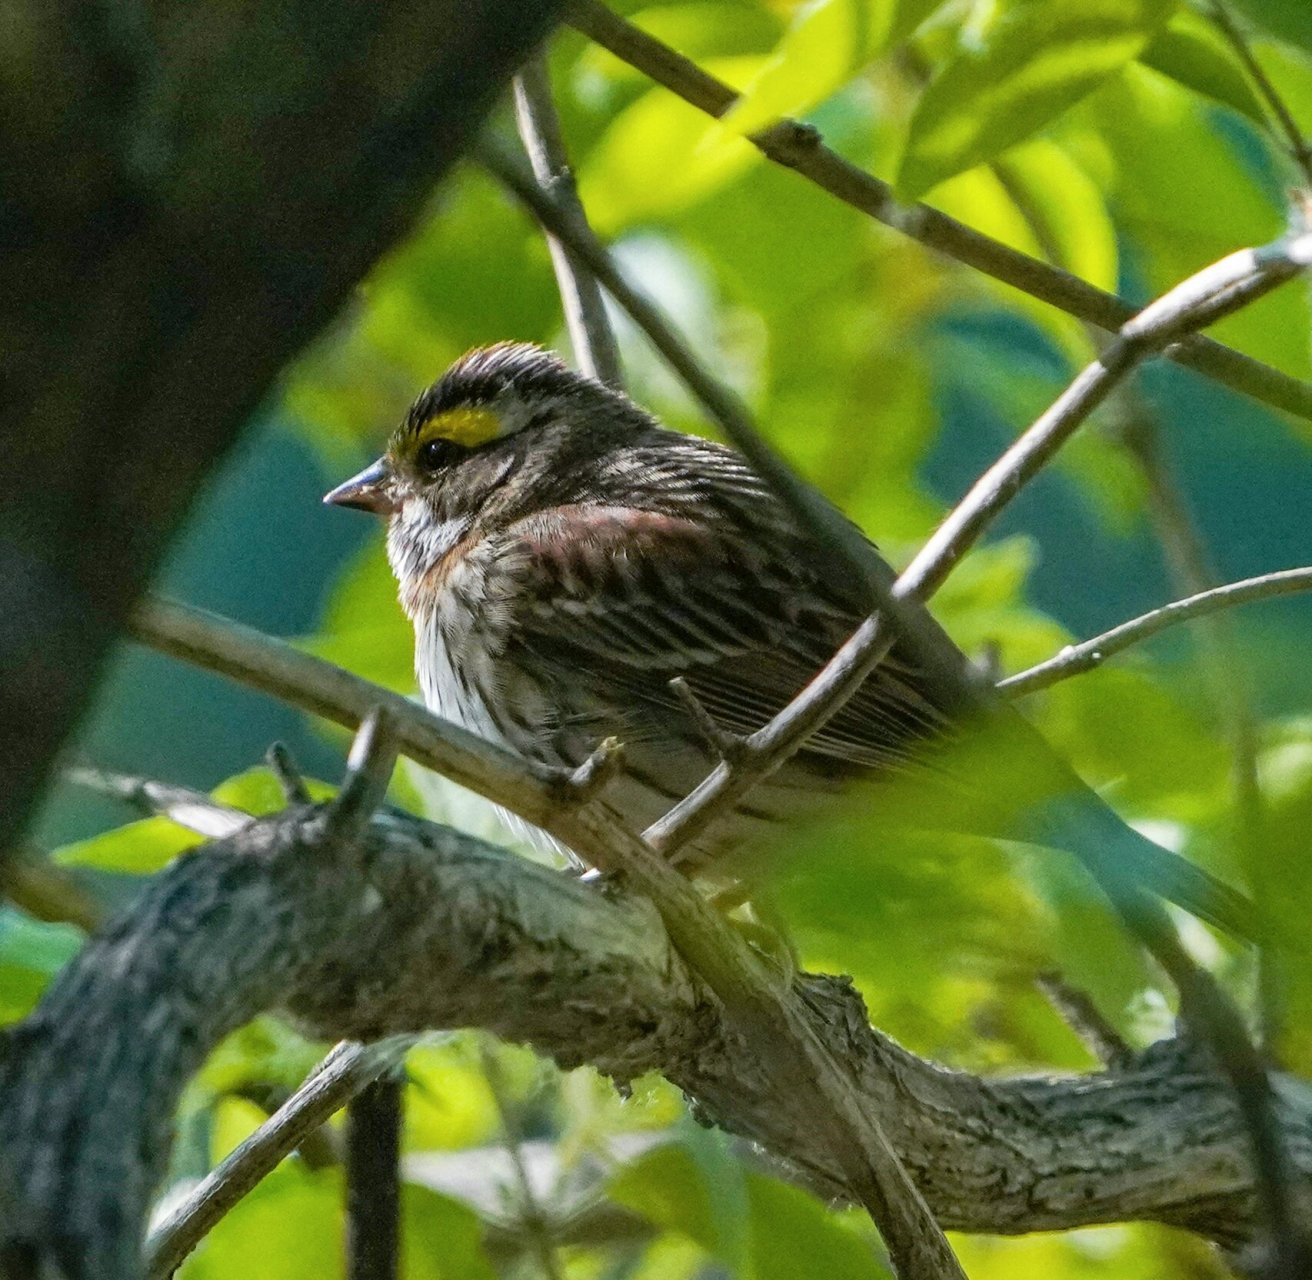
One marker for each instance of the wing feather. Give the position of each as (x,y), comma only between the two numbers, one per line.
(638,596)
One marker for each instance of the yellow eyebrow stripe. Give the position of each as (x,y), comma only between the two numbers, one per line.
(465,426)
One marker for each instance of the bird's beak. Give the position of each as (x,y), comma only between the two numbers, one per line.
(371,490)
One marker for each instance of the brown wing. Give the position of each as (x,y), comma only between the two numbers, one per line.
(635,597)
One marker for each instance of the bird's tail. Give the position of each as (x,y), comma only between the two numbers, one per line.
(1116,854)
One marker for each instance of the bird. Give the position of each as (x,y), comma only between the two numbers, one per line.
(566,561)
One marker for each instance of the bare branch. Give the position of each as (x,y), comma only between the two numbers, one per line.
(590,333)
(1075,659)
(188,808)
(283,764)
(1295,142)
(1085,1019)
(347,1070)
(585,782)
(457,935)
(1203,298)
(326,690)
(368,771)
(373,1179)
(726,746)
(774,1024)
(798,147)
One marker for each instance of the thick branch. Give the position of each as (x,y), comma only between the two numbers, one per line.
(771,1021)
(417,927)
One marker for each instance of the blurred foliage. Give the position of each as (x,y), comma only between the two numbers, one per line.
(1122,141)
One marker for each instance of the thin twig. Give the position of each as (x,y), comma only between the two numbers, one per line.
(536,1225)
(590,332)
(1088,654)
(1203,298)
(189,808)
(595,772)
(368,772)
(798,147)
(290,778)
(1084,1017)
(1297,144)
(726,746)
(373,1179)
(336,1080)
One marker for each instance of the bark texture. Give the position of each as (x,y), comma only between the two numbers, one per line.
(411,927)
(187,193)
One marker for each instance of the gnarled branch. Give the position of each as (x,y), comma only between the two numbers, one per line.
(412,927)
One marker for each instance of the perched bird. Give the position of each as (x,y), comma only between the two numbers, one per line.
(563,557)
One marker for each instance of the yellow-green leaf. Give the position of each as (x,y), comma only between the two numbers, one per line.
(1015,71)
(1193,53)
(827,44)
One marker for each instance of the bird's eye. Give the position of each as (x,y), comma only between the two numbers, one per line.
(437,453)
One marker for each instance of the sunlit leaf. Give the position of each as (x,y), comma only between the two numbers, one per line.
(1019,66)
(259,792)
(31,953)
(137,847)
(661,155)
(1193,52)
(1188,196)
(789,1232)
(828,42)
(266,1051)
(981,200)
(290,1227)
(449,1104)
(363,627)
(1064,208)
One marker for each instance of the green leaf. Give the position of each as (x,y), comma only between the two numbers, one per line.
(660,156)
(1185,195)
(1289,20)
(789,1233)
(258,792)
(1195,54)
(1015,72)
(981,200)
(1282,881)
(144,847)
(139,848)
(827,44)
(441,1238)
(31,953)
(290,1227)
(363,628)
(1064,208)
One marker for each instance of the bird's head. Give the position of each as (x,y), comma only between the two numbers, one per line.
(504,430)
